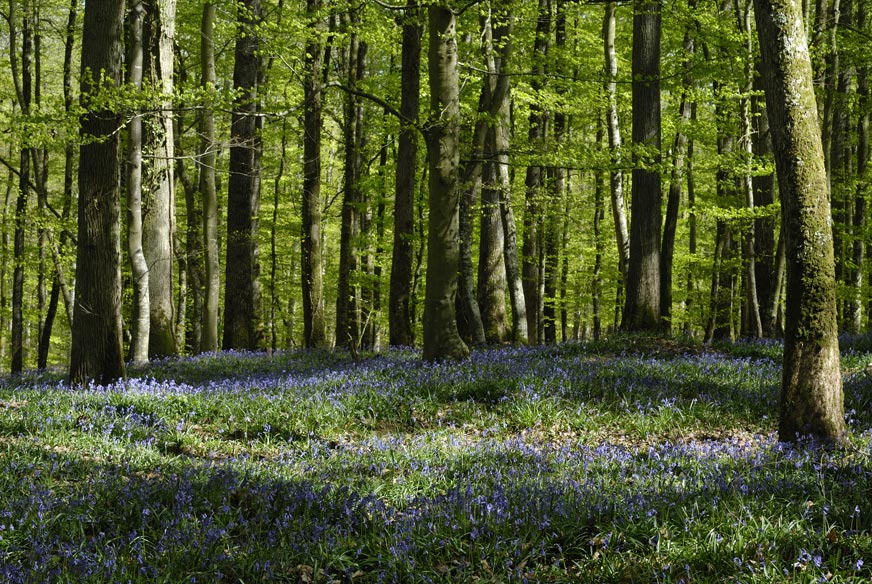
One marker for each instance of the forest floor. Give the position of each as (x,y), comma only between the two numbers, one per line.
(625,460)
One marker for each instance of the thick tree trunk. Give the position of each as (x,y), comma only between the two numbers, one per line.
(441,340)
(642,309)
(207,158)
(140,325)
(243,322)
(400,312)
(158,218)
(96,351)
(812,401)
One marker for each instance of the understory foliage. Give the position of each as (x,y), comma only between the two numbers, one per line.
(624,460)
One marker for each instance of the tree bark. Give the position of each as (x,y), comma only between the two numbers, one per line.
(24,95)
(314,325)
(399,312)
(673,202)
(534,181)
(616,174)
(441,339)
(208,194)
(642,309)
(348,301)
(243,322)
(158,218)
(141,322)
(854,311)
(812,401)
(96,352)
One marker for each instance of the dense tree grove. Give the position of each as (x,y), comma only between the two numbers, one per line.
(449,174)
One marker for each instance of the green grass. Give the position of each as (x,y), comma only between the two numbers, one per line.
(626,460)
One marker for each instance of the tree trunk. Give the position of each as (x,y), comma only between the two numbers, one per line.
(752,324)
(314,325)
(348,301)
(243,322)
(24,90)
(598,216)
(673,202)
(854,311)
(764,229)
(616,174)
(399,312)
(59,286)
(642,309)
(534,181)
(158,218)
(812,401)
(501,134)
(140,325)
(441,340)
(96,351)
(207,158)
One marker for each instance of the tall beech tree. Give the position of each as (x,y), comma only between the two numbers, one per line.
(158,218)
(812,400)
(97,350)
(243,322)
(207,187)
(314,325)
(441,339)
(141,322)
(399,312)
(642,310)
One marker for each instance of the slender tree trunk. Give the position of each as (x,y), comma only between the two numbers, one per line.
(314,325)
(348,301)
(206,167)
(534,181)
(399,312)
(243,322)
(642,309)
(24,90)
(764,229)
(673,202)
(441,340)
(40,165)
(812,401)
(753,324)
(140,325)
(491,261)
(854,315)
(691,229)
(158,218)
(96,351)
(598,216)
(616,174)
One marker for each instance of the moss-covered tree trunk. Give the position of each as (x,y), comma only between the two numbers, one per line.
(811,391)
(441,339)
